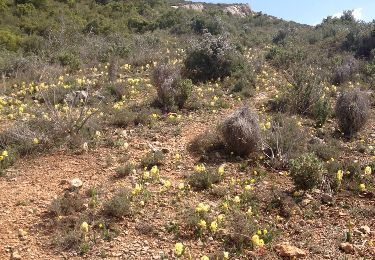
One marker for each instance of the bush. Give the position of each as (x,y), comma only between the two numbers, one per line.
(203,180)
(69,204)
(352,111)
(212,58)
(283,141)
(241,133)
(36,3)
(134,115)
(172,91)
(119,205)
(125,170)
(306,171)
(321,111)
(9,40)
(206,142)
(69,60)
(153,158)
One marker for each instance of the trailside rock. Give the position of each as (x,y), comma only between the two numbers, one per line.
(287,250)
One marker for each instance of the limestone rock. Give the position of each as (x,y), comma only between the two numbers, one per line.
(347,248)
(287,250)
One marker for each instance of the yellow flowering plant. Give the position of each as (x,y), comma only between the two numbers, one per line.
(179,250)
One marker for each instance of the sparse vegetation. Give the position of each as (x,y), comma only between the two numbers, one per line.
(126,131)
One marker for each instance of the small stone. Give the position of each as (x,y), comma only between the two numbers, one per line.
(365,230)
(327,199)
(306,202)
(287,250)
(76,183)
(16,256)
(347,248)
(22,234)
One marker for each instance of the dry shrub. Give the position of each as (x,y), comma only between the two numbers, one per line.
(352,111)
(171,89)
(119,205)
(284,141)
(69,204)
(241,132)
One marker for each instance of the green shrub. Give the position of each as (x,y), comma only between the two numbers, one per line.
(134,115)
(306,171)
(212,58)
(352,111)
(326,151)
(241,133)
(153,158)
(9,40)
(203,180)
(125,170)
(119,205)
(69,60)
(321,111)
(36,3)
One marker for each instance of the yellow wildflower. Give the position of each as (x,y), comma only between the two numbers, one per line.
(200,168)
(225,206)
(179,249)
(249,212)
(137,189)
(202,208)
(85,227)
(362,187)
(202,224)
(154,170)
(236,199)
(181,186)
(339,175)
(221,170)
(213,226)
(368,170)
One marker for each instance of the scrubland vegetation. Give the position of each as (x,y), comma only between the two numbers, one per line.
(145,130)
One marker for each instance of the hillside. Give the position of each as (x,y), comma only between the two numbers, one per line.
(169,129)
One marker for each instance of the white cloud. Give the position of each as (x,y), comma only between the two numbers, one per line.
(357,13)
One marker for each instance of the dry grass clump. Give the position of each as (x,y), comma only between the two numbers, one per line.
(285,140)
(241,132)
(352,111)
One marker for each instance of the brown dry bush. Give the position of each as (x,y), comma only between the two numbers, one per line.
(241,132)
(352,111)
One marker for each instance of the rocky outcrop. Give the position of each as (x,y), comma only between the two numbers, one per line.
(195,7)
(241,10)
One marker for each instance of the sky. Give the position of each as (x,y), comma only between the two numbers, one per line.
(310,12)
